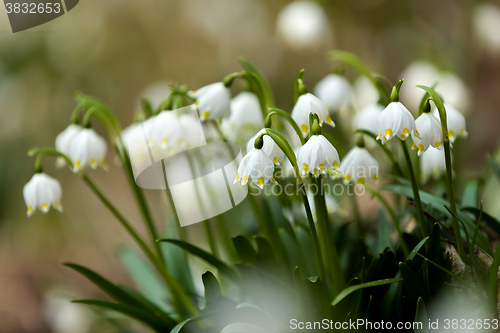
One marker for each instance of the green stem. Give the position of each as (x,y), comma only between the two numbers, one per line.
(449,174)
(174,286)
(289,119)
(333,260)
(420,210)
(394,217)
(143,206)
(357,212)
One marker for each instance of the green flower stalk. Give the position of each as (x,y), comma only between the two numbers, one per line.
(449,175)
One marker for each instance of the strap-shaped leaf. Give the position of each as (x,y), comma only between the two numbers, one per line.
(414,286)
(138,314)
(244,249)
(352,289)
(212,288)
(487,218)
(205,256)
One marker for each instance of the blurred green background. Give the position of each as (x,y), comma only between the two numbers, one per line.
(114,49)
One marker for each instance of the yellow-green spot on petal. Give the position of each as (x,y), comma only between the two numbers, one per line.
(379,136)
(274,180)
(388,132)
(414,146)
(329,119)
(164,141)
(316,171)
(205,115)
(437,144)
(361,181)
(416,132)
(260,181)
(305,167)
(406,131)
(420,147)
(92,161)
(375,178)
(237,177)
(335,165)
(45,207)
(30,209)
(244,180)
(305,129)
(77,164)
(347,178)
(322,167)
(275,160)
(451,134)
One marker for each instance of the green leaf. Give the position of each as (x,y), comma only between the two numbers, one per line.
(265,254)
(417,248)
(495,166)
(487,218)
(352,289)
(469,196)
(421,315)
(242,328)
(492,281)
(438,204)
(384,234)
(266,88)
(434,249)
(109,288)
(244,249)
(205,256)
(138,314)
(212,288)
(145,277)
(412,283)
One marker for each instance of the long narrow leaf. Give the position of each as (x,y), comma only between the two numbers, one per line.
(352,289)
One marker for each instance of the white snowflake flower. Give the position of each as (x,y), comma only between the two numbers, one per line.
(335,91)
(42,191)
(213,101)
(455,121)
(316,156)
(63,141)
(358,166)
(270,147)
(87,148)
(427,133)
(307,104)
(395,120)
(257,166)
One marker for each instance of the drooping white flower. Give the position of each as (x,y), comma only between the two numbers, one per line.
(307,104)
(365,92)
(303,25)
(191,134)
(455,121)
(270,147)
(87,148)
(316,156)
(432,164)
(332,206)
(427,133)
(367,117)
(395,120)
(163,131)
(257,166)
(486,22)
(358,166)
(335,91)
(245,119)
(42,191)
(63,141)
(212,101)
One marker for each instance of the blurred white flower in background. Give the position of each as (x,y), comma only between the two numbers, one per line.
(269,147)
(155,94)
(455,121)
(486,21)
(358,165)
(191,132)
(307,104)
(63,316)
(432,164)
(245,119)
(451,87)
(87,148)
(163,131)
(365,93)
(336,92)
(213,101)
(366,118)
(42,191)
(303,25)
(63,141)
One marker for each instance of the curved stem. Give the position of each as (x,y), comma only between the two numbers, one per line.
(449,174)
(394,217)
(285,115)
(418,203)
